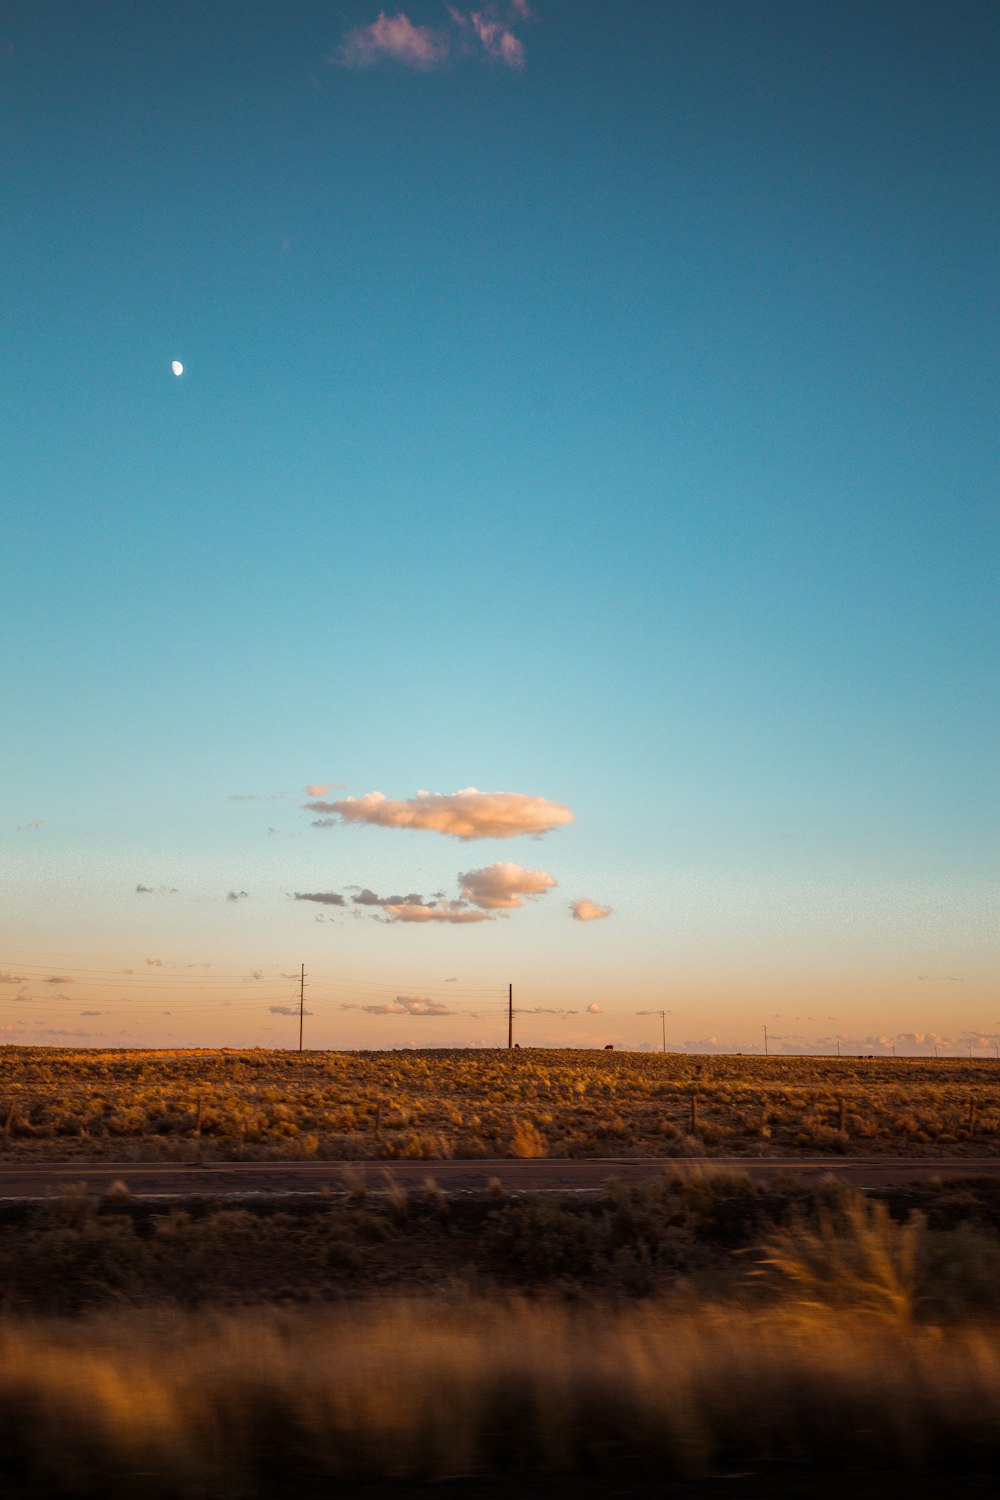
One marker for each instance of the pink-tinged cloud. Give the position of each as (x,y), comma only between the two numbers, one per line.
(452,911)
(501,886)
(406,1005)
(393,37)
(7,978)
(589,911)
(58,979)
(492,32)
(320,789)
(593,1009)
(468,814)
(497,40)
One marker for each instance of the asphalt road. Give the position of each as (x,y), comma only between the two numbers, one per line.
(223,1179)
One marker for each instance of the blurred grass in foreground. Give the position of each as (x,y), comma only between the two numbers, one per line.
(170,1404)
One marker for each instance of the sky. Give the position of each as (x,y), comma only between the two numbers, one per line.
(568,556)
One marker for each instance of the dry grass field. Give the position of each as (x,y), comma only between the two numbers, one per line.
(127,1105)
(436,1396)
(691,1326)
(228,1406)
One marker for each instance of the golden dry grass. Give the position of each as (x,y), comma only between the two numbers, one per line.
(213,1405)
(393,1105)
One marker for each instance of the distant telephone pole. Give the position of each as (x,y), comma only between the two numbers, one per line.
(510,1016)
(765,1041)
(302,1001)
(663,1028)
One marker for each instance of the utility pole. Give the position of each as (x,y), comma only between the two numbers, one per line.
(302,1002)
(663,1027)
(765,1041)
(510,1016)
(838,1048)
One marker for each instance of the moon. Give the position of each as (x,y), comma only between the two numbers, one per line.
(177,367)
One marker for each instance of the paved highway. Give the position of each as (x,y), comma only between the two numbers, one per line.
(224,1179)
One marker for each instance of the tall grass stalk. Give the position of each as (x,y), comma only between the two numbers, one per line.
(858,1256)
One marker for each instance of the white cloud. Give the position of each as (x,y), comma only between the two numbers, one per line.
(467,814)
(501,886)
(593,1009)
(589,911)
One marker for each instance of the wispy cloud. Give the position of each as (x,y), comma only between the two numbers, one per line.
(365,897)
(593,1009)
(405,1005)
(501,886)
(320,789)
(77,1031)
(8,978)
(467,814)
(58,979)
(447,911)
(155,890)
(711,1044)
(589,911)
(493,31)
(35,823)
(287,1010)
(394,38)
(237,895)
(484,895)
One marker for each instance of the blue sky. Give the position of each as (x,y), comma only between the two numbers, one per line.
(594,403)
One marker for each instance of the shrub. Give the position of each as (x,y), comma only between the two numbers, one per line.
(527,1141)
(856,1257)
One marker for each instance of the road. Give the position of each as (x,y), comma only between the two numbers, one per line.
(226,1179)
